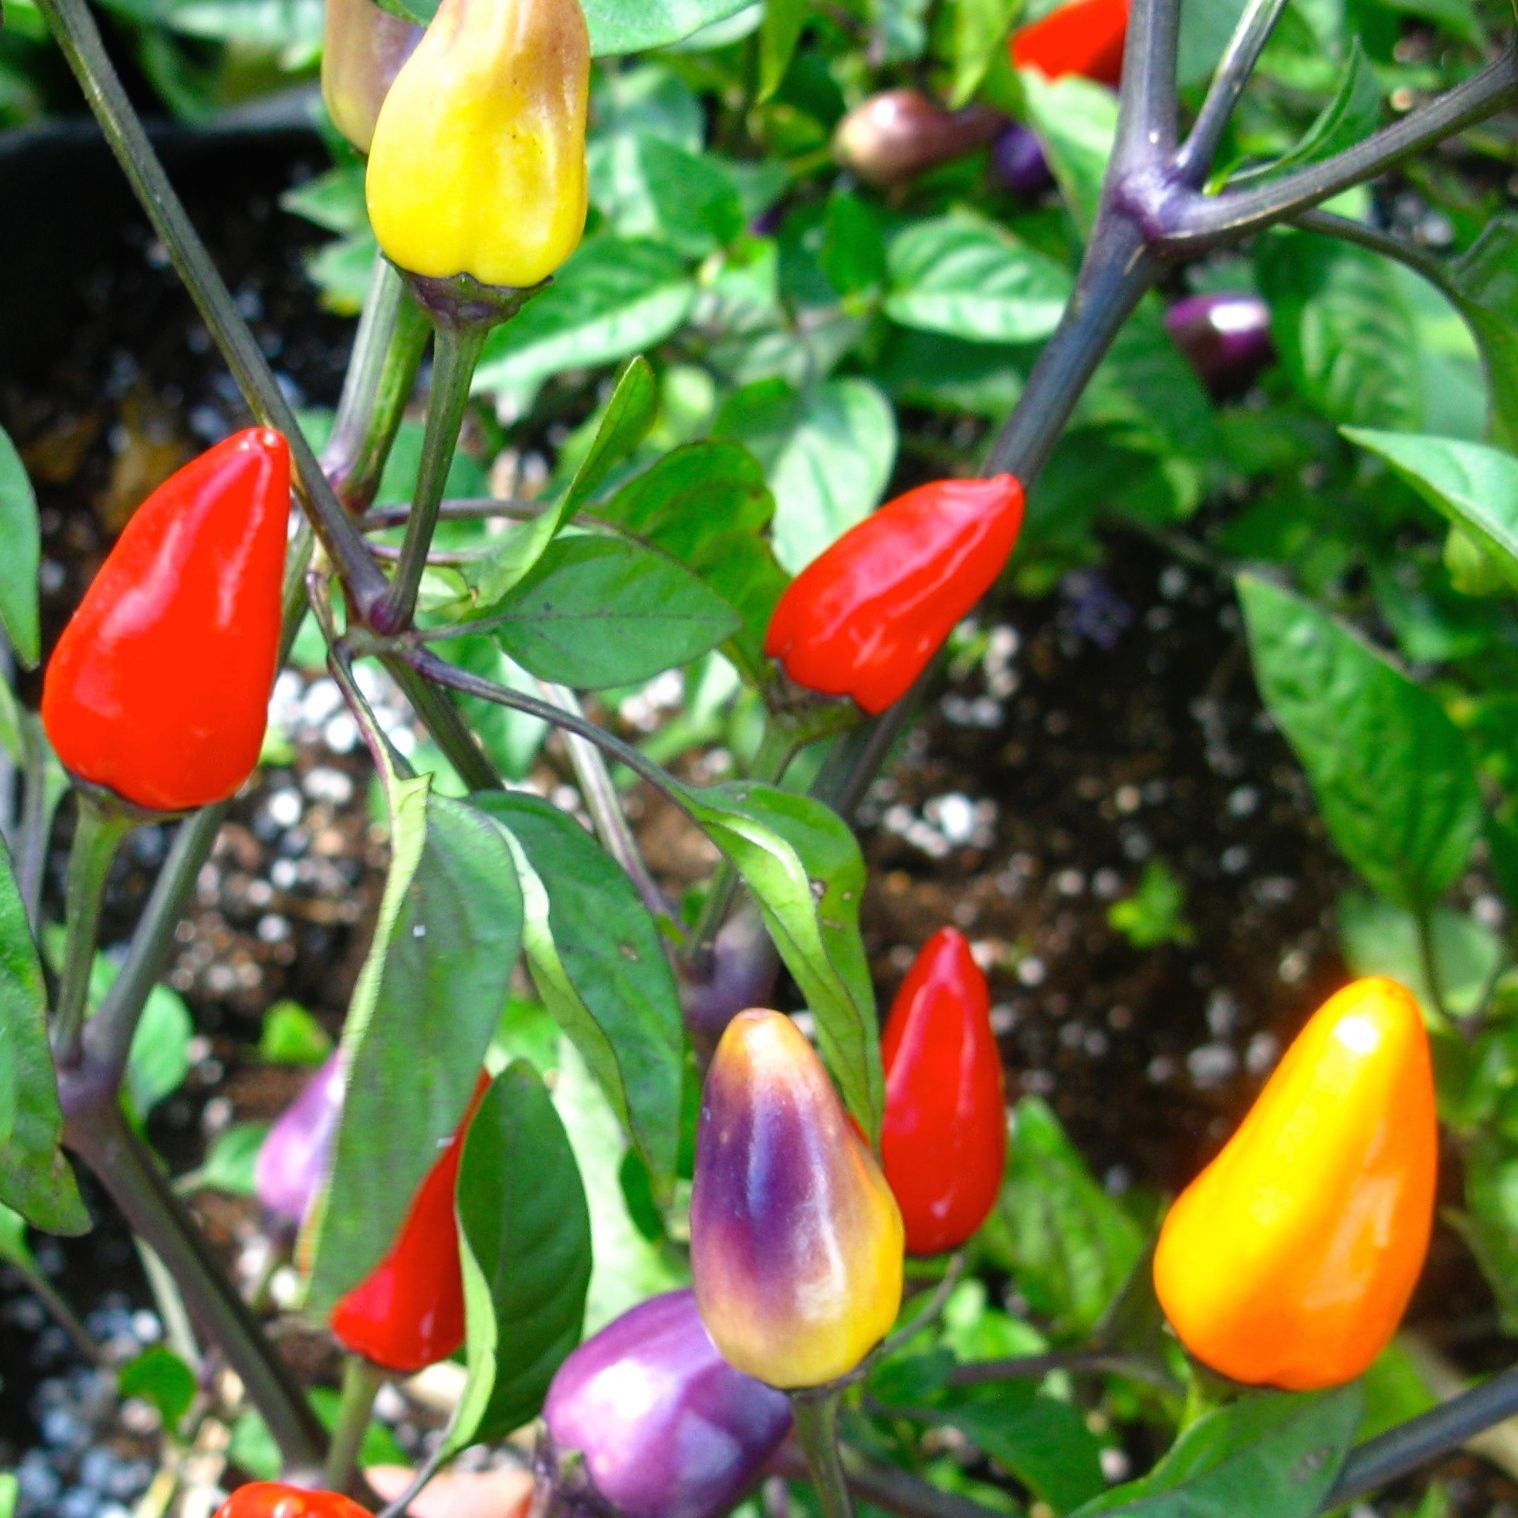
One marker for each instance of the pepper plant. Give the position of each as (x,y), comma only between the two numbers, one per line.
(759,259)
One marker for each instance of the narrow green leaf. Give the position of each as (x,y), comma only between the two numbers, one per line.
(779,32)
(1393,776)
(599,965)
(525,1234)
(979,35)
(23,552)
(159,1376)
(804,867)
(437,976)
(35,1178)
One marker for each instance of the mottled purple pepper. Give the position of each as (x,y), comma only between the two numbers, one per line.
(897,135)
(362,52)
(666,1427)
(796,1241)
(292,1164)
(1018,162)
(1226,337)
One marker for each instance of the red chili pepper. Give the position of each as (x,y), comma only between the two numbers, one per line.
(272,1499)
(159,686)
(1085,37)
(409,1313)
(865,617)
(943,1144)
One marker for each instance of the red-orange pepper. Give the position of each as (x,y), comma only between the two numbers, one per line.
(159,686)
(273,1499)
(1084,37)
(943,1144)
(864,618)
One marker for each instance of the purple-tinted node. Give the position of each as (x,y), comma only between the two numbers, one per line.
(666,1428)
(1226,337)
(292,1164)
(796,1240)
(1018,162)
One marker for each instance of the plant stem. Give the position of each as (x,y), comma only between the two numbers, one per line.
(1233,73)
(1147,106)
(454,358)
(362,1380)
(1423,919)
(62,1314)
(430,1467)
(97,836)
(1194,224)
(31,851)
(816,1417)
(78,36)
(446,724)
(387,351)
(1073,1362)
(1419,260)
(883,1486)
(1406,1447)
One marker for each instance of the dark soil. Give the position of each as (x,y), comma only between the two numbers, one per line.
(1110,725)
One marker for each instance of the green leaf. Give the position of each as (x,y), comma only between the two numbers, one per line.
(1069,1246)
(159,1059)
(684,199)
(614,298)
(1475,487)
(1491,1223)
(1076,121)
(1393,776)
(230,1162)
(1344,329)
(13,1245)
(1485,285)
(10,1494)
(978,37)
(1038,1439)
(598,612)
(159,1376)
(598,963)
(827,453)
(968,278)
(803,865)
(423,1012)
(35,1178)
(617,26)
(779,32)
(525,1234)
(1268,1456)
(291,1036)
(23,552)
(1156,911)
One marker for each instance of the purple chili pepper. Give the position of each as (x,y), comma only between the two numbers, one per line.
(1226,337)
(1018,162)
(292,1164)
(667,1428)
(741,975)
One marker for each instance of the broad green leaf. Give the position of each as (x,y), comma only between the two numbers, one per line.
(598,612)
(1271,1455)
(967,278)
(159,1059)
(803,865)
(649,187)
(1067,1244)
(23,551)
(1344,329)
(614,298)
(1076,121)
(1485,282)
(423,1012)
(599,965)
(159,1376)
(525,1235)
(35,1178)
(978,35)
(779,32)
(827,453)
(617,26)
(291,1036)
(1393,776)
(1038,1439)
(1475,487)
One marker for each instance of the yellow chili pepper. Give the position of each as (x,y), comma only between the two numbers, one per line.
(1289,1261)
(478,160)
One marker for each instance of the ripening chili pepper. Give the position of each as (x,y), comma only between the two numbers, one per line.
(159,686)
(943,1144)
(478,161)
(1019,163)
(272,1499)
(864,618)
(665,1427)
(1084,37)
(409,1312)
(1289,1261)
(1225,337)
(293,1158)
(363,48)
(796,1241)
(897,134)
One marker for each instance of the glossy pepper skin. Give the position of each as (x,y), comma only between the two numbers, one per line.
(796,1241)
(478,161)
(159,687)
(1084,37)
(363,48)
(272,1499)
(1225,337)
(864,618)
(667,1428)
(943,1144)
(1019,163)
(896,135)
(1289,1261)
(409,1313)
(292,1161)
